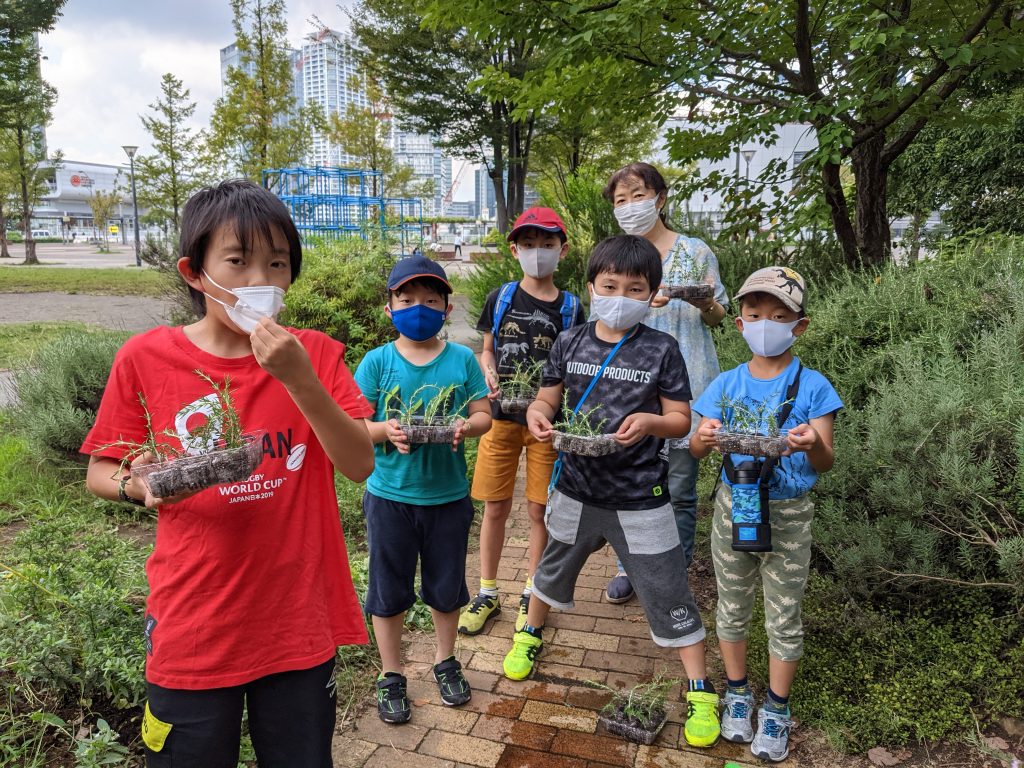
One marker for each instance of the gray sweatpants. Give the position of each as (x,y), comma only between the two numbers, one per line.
(646,542)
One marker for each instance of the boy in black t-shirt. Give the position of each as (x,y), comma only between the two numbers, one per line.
(520,322)
(640,386)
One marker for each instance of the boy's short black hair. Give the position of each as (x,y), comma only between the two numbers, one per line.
(626,255)
(254,212)
(423,282)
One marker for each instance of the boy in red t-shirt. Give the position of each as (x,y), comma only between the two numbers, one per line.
(250,591)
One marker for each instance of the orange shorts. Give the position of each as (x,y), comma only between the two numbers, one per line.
(497,461)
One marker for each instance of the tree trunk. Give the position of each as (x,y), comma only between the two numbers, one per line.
(872,223)
(917,221)
(26,208)
(840,214)
(4,252)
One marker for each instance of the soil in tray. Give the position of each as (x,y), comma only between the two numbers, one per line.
(421,433)
(619,724)
(752,445)
(697,291)
(194,473)
(600,445)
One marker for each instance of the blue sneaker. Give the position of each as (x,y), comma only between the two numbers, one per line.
(772,740)
(619,589)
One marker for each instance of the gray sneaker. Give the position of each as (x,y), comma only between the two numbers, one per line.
(772,739)
(737,717)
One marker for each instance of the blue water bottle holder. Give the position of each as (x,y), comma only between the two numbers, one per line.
(556,470)
(751,523)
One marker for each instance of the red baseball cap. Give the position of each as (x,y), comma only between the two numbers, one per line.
(541,218)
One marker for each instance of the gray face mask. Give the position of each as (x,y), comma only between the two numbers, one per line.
(619,312)
(768,338)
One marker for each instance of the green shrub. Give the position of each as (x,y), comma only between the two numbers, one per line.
(60,393)
(872,678)
(342,291)
(71,603)
(162,255)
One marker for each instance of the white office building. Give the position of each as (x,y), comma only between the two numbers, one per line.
(64,209)
(418,151)
(792,143)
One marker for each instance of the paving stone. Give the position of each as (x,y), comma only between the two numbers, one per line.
(532,689)
(588,594)
(385,757)
(658,757)
(575,621)
(489,643)
(516,732)
(602,610)
(494,704)
(406,736)
(563,654)
(636,665)
(594,747)
(566,675)
(559,716)
(487,662)
(463,749)
(450,719)
(517,757)
(644,646)
(480,681)
(588,698)
(623,627)
(351,753)
(589,640)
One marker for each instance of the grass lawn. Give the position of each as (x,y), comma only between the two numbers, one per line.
(112,281)
(19,341)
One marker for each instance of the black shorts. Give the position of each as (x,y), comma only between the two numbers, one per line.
(398,535)
(291,722)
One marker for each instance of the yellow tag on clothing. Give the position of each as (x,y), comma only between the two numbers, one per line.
(154,731)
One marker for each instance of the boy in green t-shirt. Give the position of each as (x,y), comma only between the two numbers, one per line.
(417,505)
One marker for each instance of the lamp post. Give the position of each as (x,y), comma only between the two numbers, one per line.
(748,155)
(130,151)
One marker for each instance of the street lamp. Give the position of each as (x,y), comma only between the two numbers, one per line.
(748,155)
(130,151)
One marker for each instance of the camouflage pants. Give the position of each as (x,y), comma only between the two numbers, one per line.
(783,575)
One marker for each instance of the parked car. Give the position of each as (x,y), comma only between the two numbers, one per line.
(39,233)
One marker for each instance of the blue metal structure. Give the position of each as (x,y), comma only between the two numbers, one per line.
(341,202)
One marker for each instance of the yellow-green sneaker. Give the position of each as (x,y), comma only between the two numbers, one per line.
(483,608)
(518,662)
(524,606)
(702,727)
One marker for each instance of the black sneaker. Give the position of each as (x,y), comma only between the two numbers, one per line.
(455,689)
(392,701)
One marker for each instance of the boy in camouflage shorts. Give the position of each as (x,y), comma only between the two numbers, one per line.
(771,318)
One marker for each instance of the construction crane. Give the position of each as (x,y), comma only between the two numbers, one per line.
(447,199)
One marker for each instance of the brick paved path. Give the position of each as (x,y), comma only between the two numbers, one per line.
(550,720)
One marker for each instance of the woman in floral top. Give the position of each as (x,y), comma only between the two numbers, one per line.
(638,193)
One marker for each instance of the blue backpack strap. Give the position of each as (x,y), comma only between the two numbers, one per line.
(570,303)
(501,305)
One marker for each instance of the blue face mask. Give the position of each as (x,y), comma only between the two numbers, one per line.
(418,322)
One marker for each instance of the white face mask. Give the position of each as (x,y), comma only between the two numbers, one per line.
(637,218)
(768,338)
(618,312)
(538,262)
(252,303)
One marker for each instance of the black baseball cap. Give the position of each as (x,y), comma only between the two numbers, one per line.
(412,267)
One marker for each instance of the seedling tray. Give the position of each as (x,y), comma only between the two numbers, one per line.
(420,433)
(769,446)
(517,402)
(581,445)
(692,291)
(619,724)
(195,473)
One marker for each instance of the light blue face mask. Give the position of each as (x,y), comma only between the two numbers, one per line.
(769,338)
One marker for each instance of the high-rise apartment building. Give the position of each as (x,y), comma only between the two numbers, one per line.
(330,78)
(418,151)
(486,202)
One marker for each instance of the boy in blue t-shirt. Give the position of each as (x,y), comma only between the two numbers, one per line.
(771,318)
(417,502)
